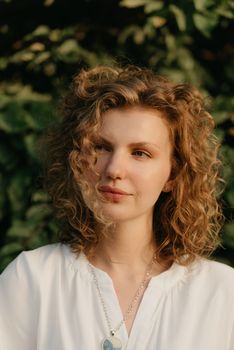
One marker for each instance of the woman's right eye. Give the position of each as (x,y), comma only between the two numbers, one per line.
(100,147)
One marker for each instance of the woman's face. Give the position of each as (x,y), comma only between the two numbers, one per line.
(133,162)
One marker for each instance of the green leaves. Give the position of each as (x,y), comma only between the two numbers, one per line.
(154,6)
(25,213)
(179,16)
(205,23)
(228,234)
(25,111)
(134,3)
(202,5)
(17,189)
(187,40)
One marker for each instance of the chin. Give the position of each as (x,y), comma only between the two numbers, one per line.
(120,216)
(116,215)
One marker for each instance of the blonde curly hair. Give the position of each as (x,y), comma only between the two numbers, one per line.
(186,220)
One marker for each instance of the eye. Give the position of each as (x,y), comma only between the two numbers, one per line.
(101,147)
(141,154)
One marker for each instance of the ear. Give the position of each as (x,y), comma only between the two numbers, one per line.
(168,186)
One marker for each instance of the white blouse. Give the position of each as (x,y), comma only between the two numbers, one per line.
(49,301)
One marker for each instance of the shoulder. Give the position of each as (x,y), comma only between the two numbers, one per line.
(33,262)
(209,277)
(215,271)
(23,284)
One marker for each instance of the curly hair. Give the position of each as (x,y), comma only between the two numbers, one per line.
(186,220)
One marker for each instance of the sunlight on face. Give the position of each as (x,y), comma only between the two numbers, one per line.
(133,161)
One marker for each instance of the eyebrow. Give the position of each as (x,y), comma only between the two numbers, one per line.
(134,144)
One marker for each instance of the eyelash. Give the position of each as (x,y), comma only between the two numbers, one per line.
(102,147)
(142,153)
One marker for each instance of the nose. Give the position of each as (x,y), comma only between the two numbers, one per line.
(115,166)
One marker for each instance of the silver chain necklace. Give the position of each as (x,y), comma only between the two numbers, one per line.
(112,342)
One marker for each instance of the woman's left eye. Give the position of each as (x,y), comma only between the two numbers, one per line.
(141,154)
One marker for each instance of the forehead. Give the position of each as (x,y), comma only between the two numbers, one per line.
(135,124)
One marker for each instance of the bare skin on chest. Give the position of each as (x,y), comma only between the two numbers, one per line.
(126,287)
(125,292)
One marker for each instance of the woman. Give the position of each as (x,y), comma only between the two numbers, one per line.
(133,173)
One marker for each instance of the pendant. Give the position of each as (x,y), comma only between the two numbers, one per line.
(111,343)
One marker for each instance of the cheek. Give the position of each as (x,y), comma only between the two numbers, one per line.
(154,180)
(95,170)
(100,165)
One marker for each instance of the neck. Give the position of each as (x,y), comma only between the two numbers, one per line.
(130,248)
(125,252)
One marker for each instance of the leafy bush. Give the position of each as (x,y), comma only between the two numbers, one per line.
(188,40)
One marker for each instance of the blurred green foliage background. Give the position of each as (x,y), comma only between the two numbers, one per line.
(44,42)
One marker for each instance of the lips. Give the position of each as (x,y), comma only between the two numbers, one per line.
(114,190)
